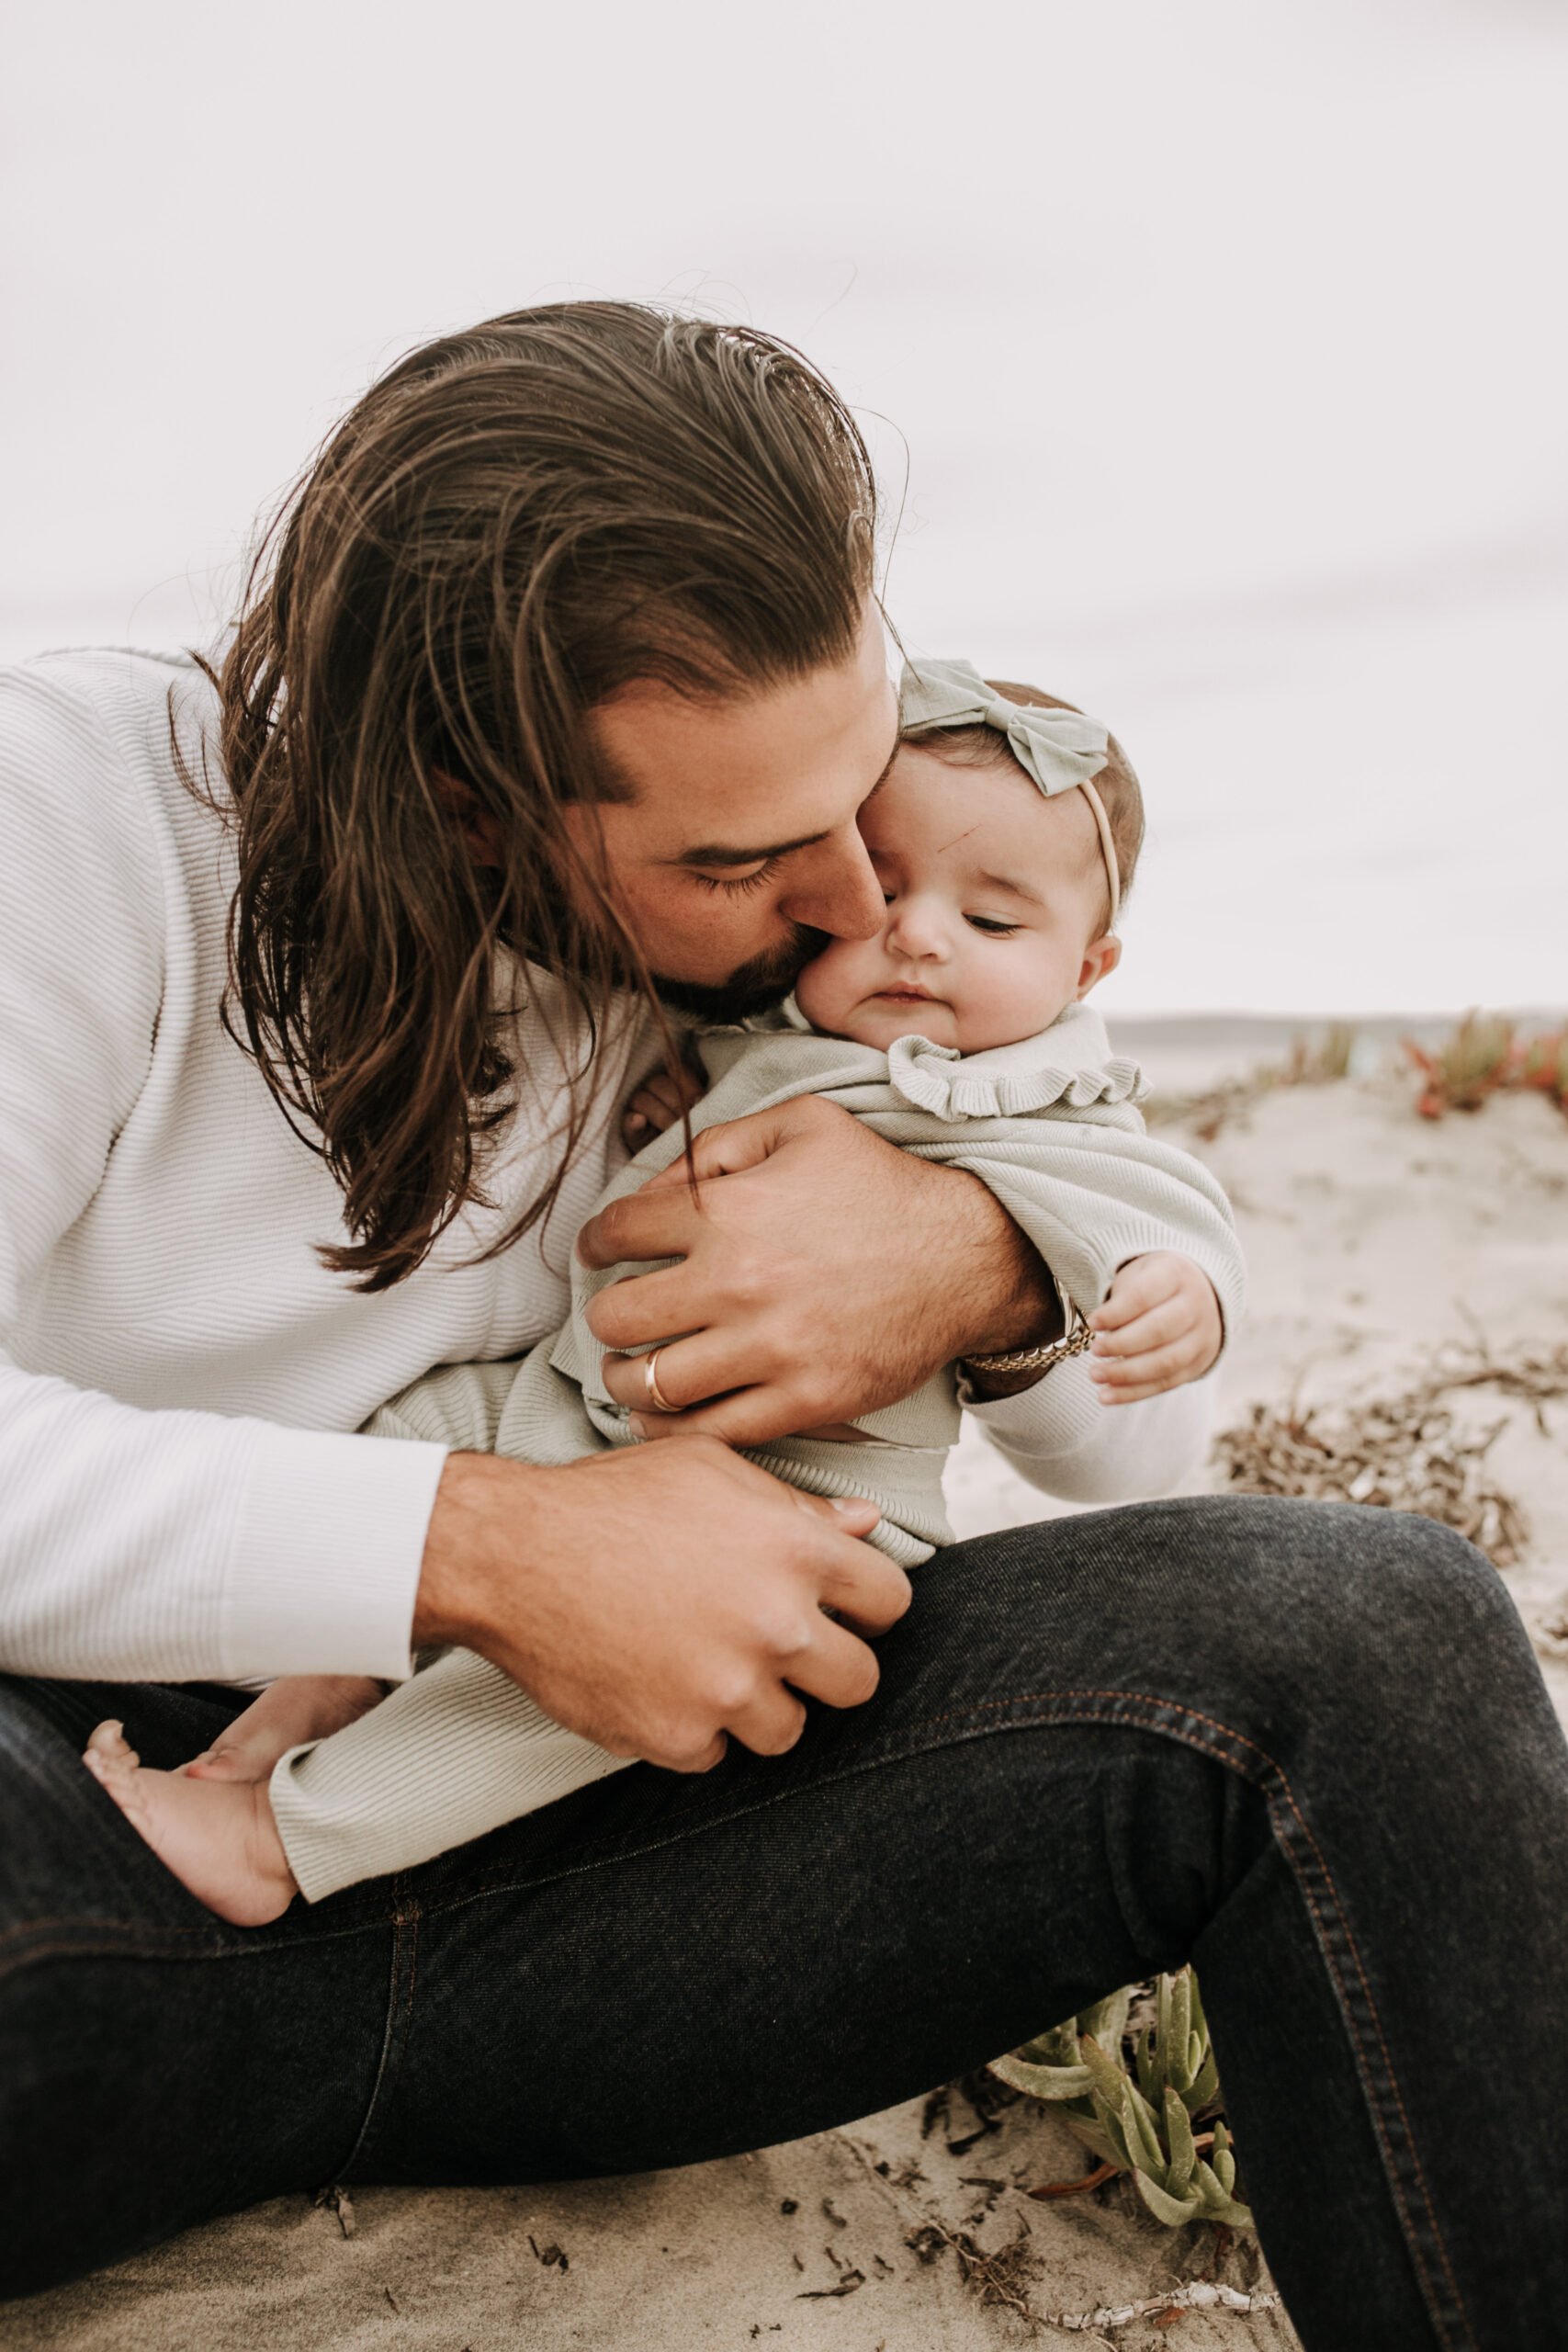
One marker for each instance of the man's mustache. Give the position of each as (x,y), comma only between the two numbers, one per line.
(753,987)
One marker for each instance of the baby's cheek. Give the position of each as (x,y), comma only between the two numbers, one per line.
(1014,998)
(825,990)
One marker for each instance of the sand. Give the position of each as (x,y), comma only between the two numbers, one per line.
(1375,1240)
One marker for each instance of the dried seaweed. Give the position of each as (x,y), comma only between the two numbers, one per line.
(1403,1452)
(1161,2310)
(1003,2277)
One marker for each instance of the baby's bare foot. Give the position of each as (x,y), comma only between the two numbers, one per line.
(218,1837)
(296,1708)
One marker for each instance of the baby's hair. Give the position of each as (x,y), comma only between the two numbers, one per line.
(986,747)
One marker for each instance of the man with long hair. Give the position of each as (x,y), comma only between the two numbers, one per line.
(323,970)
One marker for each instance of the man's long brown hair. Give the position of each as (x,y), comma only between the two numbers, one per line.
(512,523)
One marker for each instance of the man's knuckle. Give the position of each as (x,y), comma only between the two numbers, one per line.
(749,1286)
(786,1635)
(728,1690)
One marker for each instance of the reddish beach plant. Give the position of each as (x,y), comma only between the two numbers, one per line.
(1474,1062)
(1543,1065)
(1482,1057)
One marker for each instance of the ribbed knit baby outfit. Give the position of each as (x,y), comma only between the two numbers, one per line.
(1050,1126)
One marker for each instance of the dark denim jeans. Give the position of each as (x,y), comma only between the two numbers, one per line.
(1306,1745)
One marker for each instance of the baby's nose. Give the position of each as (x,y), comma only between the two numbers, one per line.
(918,930)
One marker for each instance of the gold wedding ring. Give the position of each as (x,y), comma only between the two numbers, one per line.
(656,1397)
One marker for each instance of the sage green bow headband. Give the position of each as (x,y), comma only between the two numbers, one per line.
(1060,751)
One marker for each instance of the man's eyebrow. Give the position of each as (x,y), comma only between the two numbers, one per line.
(1014,889)
(725,853)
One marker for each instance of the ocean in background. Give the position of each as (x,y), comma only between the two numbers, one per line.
(1214,360)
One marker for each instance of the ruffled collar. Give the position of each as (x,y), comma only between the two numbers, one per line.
(1071,1063)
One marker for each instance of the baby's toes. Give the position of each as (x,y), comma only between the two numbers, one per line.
(117,1768)
(109,1755)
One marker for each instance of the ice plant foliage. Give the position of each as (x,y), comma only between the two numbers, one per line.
(1144,2126)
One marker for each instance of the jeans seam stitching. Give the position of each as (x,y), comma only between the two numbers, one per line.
(1392,2077)
(1391,2083)
(136,1939)
(394,2039)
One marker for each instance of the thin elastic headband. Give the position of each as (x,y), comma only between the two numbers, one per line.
(1059,751)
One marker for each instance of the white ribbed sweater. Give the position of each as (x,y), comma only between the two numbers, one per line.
(180,1493)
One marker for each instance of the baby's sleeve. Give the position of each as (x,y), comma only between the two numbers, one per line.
(457,1405)
(1061,1437)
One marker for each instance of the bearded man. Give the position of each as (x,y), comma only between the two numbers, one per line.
(323,971)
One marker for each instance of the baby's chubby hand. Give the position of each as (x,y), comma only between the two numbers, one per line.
(1159,1326)
(658,1104)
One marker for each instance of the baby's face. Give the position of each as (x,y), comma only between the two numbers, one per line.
(993,898)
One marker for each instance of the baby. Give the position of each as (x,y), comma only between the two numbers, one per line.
(1003,837)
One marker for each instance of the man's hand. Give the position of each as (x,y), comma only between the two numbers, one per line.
(1159,1326)
(658,1597)
(824,1273)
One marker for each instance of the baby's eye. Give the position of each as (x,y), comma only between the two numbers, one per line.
(992,926)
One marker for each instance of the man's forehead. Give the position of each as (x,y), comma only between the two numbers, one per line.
(754,773)
(717,835)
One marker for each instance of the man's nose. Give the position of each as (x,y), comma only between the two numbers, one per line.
(833,888)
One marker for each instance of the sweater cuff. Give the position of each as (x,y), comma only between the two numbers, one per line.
(327,1554)
(1060,1413)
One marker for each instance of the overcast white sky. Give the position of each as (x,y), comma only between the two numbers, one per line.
(1227,342)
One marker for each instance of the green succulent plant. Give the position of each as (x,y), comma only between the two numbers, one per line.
(1143,2127)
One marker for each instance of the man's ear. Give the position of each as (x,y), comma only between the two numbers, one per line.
(479,830)
(1101,958)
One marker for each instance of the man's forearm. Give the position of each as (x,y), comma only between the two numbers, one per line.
(1009,1289)
(476,1501)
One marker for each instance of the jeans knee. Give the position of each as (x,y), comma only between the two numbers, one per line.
(1374,1608)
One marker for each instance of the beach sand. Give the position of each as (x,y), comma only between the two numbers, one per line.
(1376,1241)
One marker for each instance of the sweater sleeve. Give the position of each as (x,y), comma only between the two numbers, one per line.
(170,1544)
(1063,1439)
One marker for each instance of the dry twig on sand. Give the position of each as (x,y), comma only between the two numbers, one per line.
(1199,2297)
(1405,1452)
(1001,2277)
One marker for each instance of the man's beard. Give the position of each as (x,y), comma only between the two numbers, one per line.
(751,988)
